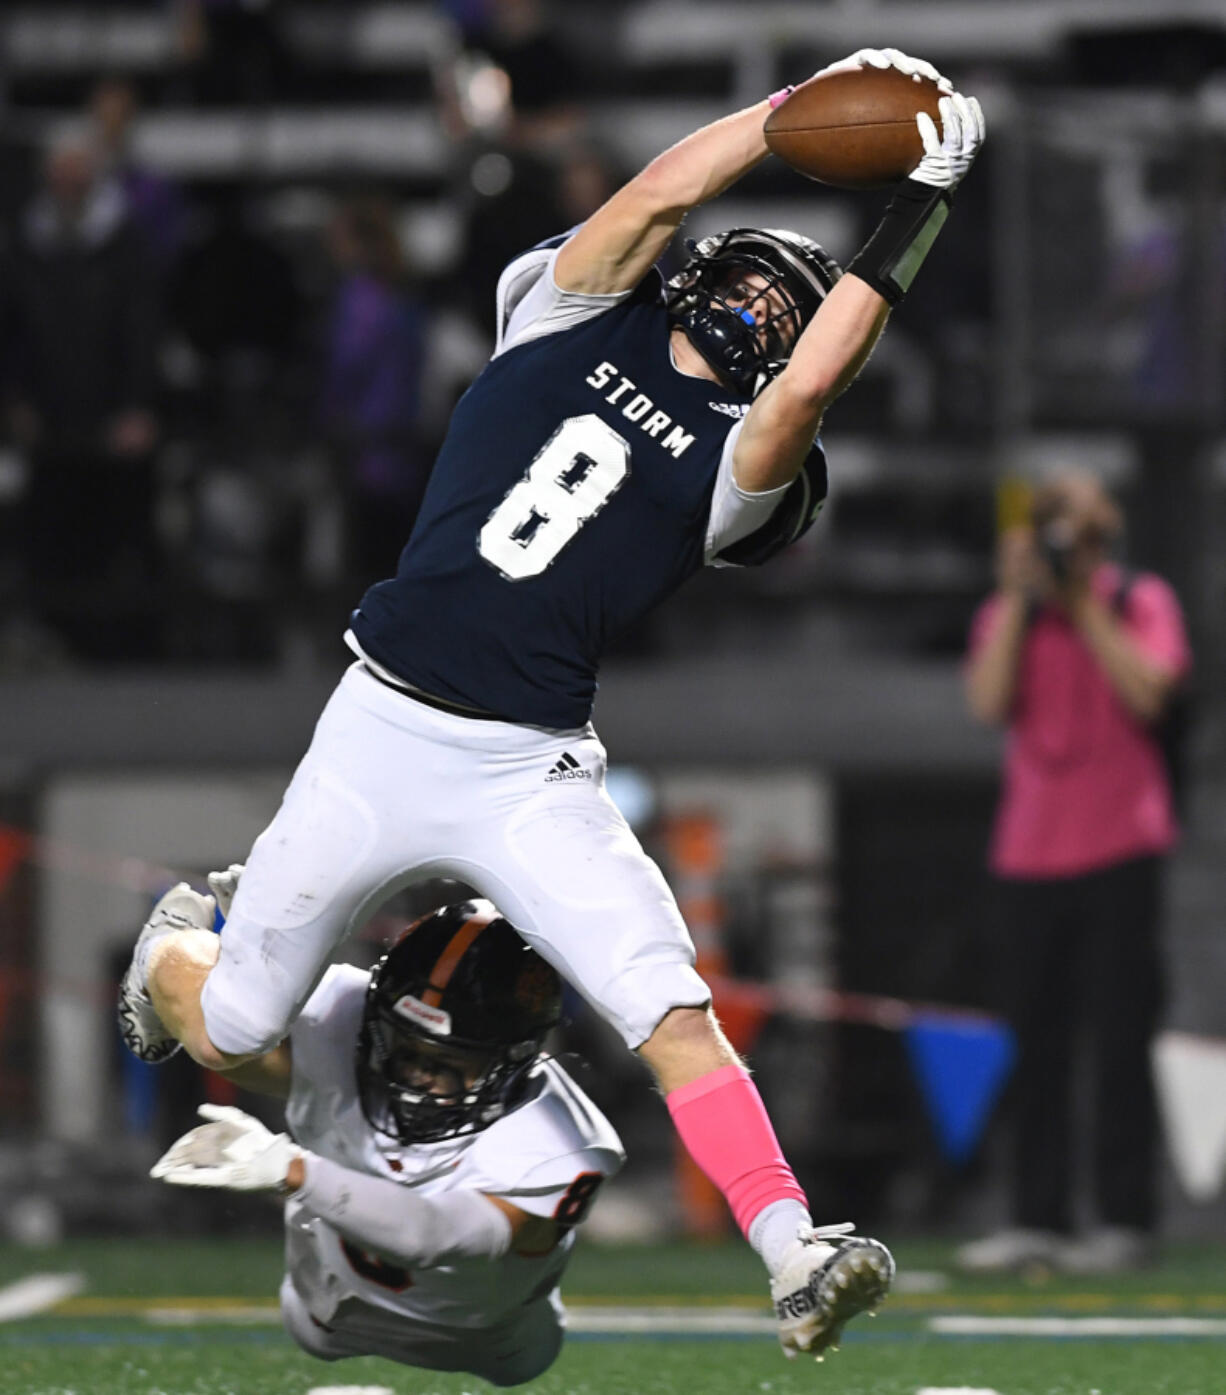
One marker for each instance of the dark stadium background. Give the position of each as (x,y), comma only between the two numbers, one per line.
(166,645)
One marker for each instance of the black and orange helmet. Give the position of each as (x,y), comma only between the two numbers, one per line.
(462,999)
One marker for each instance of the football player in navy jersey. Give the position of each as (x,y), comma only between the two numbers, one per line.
(624,434)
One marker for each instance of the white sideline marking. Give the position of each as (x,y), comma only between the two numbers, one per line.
(36,1293)
(964,1325)
(955,1390)
(350,1390)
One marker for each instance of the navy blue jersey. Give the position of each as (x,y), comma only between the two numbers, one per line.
(572,493)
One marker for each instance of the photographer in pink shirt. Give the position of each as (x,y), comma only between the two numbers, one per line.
(1079,660)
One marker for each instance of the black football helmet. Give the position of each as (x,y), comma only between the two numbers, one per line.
(746,354)
(463,999)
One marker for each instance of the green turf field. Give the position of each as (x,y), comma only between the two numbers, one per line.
(192,1318)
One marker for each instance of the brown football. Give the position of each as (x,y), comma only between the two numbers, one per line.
(856,129)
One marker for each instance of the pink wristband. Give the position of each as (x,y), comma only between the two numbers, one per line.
(778,98)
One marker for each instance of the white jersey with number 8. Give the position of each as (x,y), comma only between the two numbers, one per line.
(548,1157)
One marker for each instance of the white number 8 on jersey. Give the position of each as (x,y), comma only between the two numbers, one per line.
(571,478)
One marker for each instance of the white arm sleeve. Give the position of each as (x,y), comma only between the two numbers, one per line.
(420,1231)
(531,304)
(735,513)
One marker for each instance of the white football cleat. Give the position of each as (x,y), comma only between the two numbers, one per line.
(828,1277)
(139,1025)
(1111,1249)
(1014,1250)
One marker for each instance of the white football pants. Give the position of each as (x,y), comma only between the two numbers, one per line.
(506,1354)
(391,792)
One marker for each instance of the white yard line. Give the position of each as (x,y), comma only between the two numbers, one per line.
(966,1325)
(350,1390)
(955,1390)
(36,1293)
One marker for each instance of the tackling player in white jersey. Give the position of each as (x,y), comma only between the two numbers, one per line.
(433,1186)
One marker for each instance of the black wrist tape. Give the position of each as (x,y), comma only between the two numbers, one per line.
(890,258)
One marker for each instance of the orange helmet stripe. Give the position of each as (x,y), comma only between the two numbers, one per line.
(446,963)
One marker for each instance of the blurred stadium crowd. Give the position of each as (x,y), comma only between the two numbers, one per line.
(251,249)
(222,391)
(251,256)
(248,256)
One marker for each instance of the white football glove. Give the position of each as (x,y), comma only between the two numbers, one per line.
(887,58)
(232,1150)
(948,157)
(223,885)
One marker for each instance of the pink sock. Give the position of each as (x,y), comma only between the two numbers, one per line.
(724,1125)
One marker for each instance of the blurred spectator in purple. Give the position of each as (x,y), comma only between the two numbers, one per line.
(1158,288)
(372,390)
(155,203)
(81,325)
